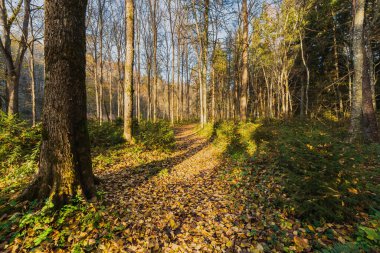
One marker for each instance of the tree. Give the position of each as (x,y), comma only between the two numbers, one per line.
(244,82)
(128,80)
(13,58)
(362,104)
(65,163)
(36,28)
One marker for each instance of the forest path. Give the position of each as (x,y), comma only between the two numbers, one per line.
(180,204)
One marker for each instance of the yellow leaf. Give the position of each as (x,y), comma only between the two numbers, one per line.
(229,244)
(173,225)
(301,243)
(353,191)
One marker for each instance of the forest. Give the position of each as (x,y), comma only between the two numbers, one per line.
(190,126)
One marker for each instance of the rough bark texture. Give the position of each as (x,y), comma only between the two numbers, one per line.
(128,90)
(65,163)
(371,131)
(244,83)
(363,115)
(358,54)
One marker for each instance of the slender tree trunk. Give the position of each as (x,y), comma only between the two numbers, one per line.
(305,92)
(213,81)
(372,71)
(336,66)
(32,84)
(155,74)
(101,79)
(149,106)
(244,84)
(168,77)
(187,85)
(65,162)
(370,124)
(110,90)
(173,82)
(204,63)
(128,80)
(138,75)
(178,78)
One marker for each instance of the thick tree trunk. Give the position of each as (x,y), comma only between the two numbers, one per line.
(244,83)
(363,111)
(65,163)
(128,89)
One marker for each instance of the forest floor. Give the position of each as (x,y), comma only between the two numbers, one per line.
(207,195)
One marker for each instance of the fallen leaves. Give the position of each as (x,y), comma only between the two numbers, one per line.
(301,243)
(192,200)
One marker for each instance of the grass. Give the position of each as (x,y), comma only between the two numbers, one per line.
(303,186)
(303,172)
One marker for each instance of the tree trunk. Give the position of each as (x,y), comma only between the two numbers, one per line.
(32,84)
(358,55)
(370,125)
(12,89)
(204,64)
(128,89)
(110,90)
(172,87)
(244,83)
(65,162)
(155,71)
(101,79)
(138,108)
(362,93)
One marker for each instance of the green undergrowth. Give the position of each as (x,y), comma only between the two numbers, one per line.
(20,147)
(19,151)
(303,174)
(49,226)
(158,135)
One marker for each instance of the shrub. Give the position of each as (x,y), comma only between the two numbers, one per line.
(106,135)
(19,147)
(159,135)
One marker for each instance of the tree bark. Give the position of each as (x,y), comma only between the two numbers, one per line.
(358,55)
(244,83)
(32,84)
(363,111)
(129,58)
(65,163)
(370,125)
